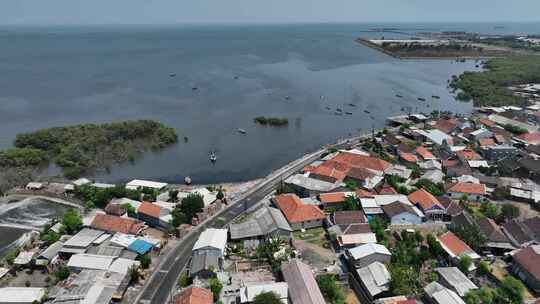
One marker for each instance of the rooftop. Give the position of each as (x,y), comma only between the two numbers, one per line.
(20,295)
(83,238)
(90,261)
(194,295)
(138,183)
(368,249)
(456,279)
(262,222)
(455,247)
(295,211)
(529,259)
(375,277)
(112,223)
(212,238)
(303,288)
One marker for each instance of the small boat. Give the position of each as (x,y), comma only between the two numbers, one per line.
(399,96)
(421,99)
(348,113)
(436,96)
(235,77)
(328,108)
(172,75)
(242,131)
(186,139)
(338,113)
(367,112)
(372,117)
(187,180)
(287,97)
(339,110)
(352,105)
(213,157)
(194,89)
(322,97)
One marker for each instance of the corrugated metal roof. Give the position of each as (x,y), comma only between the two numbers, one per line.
(213,238)
(263,222)
(83,238)
(376,278)
(303,288)
(90,261)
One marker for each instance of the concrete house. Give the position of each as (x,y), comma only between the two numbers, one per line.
(264,223)
(428,204)
(401,214)
(364,255)
(375,280)
(455,248)
(472,191)
(298,214)
(454,279)
(438,294)
(208,252)
(303,288)
(527,266)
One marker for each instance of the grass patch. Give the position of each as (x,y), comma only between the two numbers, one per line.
(316,236)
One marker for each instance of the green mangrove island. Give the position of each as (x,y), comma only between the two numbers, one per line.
(83,148)
(491,86)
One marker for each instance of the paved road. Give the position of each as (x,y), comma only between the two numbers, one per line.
(161,283)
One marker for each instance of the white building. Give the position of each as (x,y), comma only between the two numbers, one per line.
(212,239)
(21,295)
(138,183)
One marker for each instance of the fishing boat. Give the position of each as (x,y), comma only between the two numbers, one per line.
(242,131)
(172,75)
(338,113)
(187,180)
(367,112)
(328,108)
(339,110)
(194,89)
(287,97)
(352,105)
(399,96)
(348,113)
(213,157)
(186,139)
(421,99)
(436,96)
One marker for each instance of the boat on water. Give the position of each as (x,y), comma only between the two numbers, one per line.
(186,139)
(242,131)
(339,110)
(213,157)
(187,180)
(352,105)
(194,89)
(367,112)
(348,113)
(172,75)
(436,96)
(399,96)
(328,108)
(287,97)
(421,99)
(338,113)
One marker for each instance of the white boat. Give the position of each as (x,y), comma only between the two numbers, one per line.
(242,131)
(213,157)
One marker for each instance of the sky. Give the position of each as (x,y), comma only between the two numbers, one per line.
(263,11)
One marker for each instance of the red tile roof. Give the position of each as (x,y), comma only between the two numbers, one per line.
(295,211)
(486,122)
(349,217)
(530,138)
(424,199)
(468,188)
(446,125)
(194,295)
(360,173)
(149,209)
(409,157)
(112,223)
(115,209)
(330,169)
(468,154)
(333,197)
(361,161)
(454,244)
(425,153)
(361,193)
(387,189)
(486,142)
(529,260)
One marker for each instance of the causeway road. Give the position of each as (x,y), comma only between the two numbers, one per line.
(159,286)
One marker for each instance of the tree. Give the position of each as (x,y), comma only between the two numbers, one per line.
(404,280)
(173,196)
(220,195)
(434,246)
(352,203)
(465,263)
(483,268)
(72,221)
(330,289)
(489,210)
(483,295)
(509,212)
(511,290)
(472,235)
(145,260)
(134,274)
(351,185)
(187,209)
(429,186)
(62,273)
(267,298)
(50,237)
(184,280)
(215,287)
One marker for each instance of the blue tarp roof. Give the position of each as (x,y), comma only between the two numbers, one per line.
(140,247)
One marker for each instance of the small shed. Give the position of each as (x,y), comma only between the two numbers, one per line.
(140,246)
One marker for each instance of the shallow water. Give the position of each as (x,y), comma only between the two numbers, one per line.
(58,76)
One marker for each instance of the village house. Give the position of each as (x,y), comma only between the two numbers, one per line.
(527,266)
(350,229)
(264,223)
(455,248)
(113,224)
(299,215)
(375,280)
(303,288)
(142,184)
(194,295)
(364,255)
(22,295)
(306,186)
(208,253)
(428,204)
(471,191)
(496,239)
(438,294)
(454,279)
(334,199)
(249,292)
(401,214)
(523,233)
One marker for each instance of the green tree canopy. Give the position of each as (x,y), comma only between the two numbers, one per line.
(72,221)
(267,298)
(215,287)
(472,235)
(187,209)
(511,290)
(509,212)
(330,288)
(465,263)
